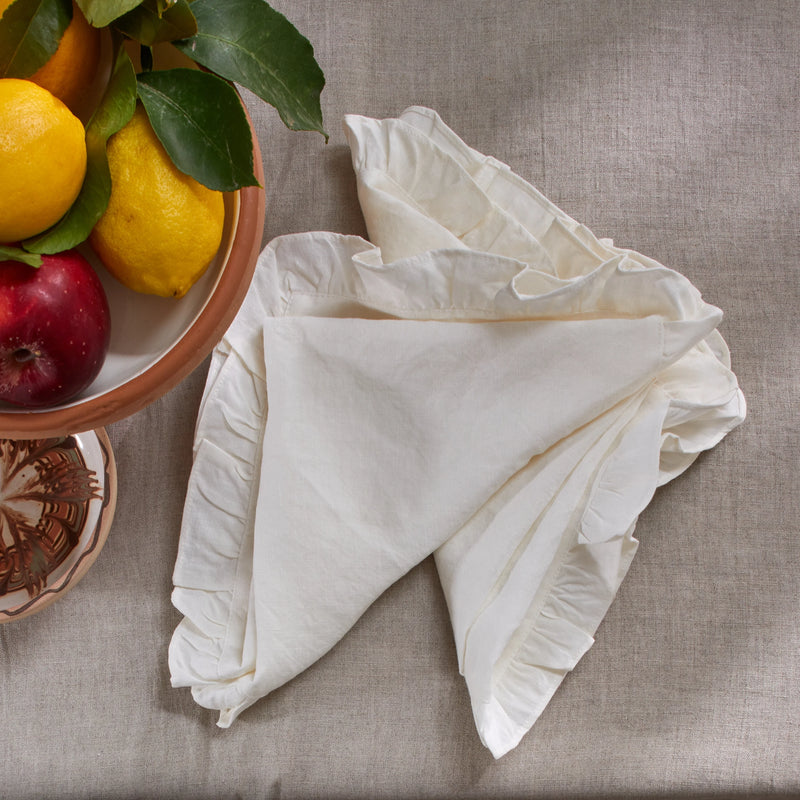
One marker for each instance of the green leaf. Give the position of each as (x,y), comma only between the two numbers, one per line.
(113,112)
(15,254)
(30,31)
(103,12)
(149,25)
(248,42)
(199,119)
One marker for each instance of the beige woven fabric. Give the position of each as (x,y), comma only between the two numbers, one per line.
(670,127)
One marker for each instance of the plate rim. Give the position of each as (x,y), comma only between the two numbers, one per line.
(72,577)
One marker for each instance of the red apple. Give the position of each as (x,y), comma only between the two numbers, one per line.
(54,329)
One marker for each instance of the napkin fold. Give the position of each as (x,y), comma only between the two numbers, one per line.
(484,381)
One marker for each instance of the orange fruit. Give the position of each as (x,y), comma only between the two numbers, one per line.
(71,69)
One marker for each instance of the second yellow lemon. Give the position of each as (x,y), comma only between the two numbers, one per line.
(161,228)
(42,159)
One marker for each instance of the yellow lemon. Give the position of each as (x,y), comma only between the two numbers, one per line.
(42,159)
(161,228)
(71,69)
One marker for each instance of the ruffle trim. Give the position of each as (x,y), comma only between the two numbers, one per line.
(582,583)
(697,402)
(212,648)
(706,404)
(563,633)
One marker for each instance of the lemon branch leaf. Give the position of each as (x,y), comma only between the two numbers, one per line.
(113,112)
(148,24)
(248,42)
(30,32)
(103,12)
(8,253)
(199,119)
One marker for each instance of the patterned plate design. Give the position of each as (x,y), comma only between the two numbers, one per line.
(57,499)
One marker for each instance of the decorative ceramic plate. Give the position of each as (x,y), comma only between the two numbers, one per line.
(57,499)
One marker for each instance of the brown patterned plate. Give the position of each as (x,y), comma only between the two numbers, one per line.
(57,499)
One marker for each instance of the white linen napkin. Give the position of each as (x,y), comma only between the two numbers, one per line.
(486,381)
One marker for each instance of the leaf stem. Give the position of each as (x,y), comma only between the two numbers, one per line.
(146,56)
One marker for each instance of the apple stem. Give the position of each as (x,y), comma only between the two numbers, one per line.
(23,354)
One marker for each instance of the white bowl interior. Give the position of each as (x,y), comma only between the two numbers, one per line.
(144,328)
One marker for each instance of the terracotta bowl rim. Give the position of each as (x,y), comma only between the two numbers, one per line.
(188,351)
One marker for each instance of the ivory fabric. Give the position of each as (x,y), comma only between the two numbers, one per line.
(484,380)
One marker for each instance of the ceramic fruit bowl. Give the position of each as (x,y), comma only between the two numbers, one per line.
(156,342)
(57,499)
